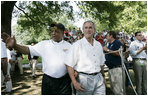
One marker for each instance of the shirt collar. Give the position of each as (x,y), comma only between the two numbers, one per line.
(138,41)
(86,42)
(56,43)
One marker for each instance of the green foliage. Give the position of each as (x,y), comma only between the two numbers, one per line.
(128,16)
(37,17)
(33,25)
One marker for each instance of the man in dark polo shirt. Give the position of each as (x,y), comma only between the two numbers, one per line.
(113,61)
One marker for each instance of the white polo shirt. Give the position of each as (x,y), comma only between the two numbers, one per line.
(53,55)
(3,50)
(84,57)
(134,47)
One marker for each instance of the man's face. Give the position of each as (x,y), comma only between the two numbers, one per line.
(108,37)
(139,37)
(56,34)
(89,30)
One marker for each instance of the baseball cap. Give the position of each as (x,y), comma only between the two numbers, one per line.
(59,26)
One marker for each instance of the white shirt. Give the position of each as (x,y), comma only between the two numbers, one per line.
(8,54)
(84,57)
(13,57)
(3,50)
(53,55)
(134,47)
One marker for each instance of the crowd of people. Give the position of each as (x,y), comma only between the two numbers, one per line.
(14,64)
(79,58)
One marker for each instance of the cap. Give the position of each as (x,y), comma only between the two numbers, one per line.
(59,26)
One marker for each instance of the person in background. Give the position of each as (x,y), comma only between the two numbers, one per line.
(73,31)
(13,59)
(138,52)
(19,57)
(9,83)
(33,61)
(4,63)
(113,61)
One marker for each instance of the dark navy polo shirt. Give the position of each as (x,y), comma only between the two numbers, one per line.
(112,60)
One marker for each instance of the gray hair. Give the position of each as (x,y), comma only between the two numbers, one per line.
(94,26)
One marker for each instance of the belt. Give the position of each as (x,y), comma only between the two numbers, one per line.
(90,73)
(115,67)
(139,58)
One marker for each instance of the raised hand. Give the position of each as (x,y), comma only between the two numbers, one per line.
(10,41)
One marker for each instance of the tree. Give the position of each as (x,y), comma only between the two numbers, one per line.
(37,17)
(6,15)
(128,16)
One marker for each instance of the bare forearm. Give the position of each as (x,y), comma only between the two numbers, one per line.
(71,74)
(139,51)
(114,53)
(102,71)
(22,49)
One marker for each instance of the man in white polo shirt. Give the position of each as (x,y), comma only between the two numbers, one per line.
(55,80)
(87,58)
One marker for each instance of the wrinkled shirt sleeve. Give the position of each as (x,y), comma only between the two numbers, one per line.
(72,57)
(132,49)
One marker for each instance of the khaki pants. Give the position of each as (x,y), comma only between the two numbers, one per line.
(2,78)
(33,63)
(116,81)
(140,70)
(92,84)
(19,60)
(9,83)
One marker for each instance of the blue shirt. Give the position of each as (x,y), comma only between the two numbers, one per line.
(112,60)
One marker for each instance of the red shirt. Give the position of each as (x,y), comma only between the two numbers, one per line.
(100,38)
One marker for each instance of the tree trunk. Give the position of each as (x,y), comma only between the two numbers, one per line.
(6,15)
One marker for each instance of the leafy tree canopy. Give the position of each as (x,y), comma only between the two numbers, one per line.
(127,16)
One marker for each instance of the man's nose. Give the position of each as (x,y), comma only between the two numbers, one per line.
(53,32)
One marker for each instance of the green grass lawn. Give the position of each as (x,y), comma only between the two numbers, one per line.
(25,60)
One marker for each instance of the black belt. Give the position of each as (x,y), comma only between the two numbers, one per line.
(90,73)
(139,58)
(115,67)
(66,75)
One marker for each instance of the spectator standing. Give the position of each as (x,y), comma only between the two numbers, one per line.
(19,61)
(79,31)
(33,61)
(113,61)
(13,59)
(100,38)
(73,31)
(9,83)
(4,63)
(86,57)
(138,52)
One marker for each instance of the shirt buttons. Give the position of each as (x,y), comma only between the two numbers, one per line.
(94,55)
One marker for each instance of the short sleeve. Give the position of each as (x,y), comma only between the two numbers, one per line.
(36,50)
(132,49)
(72,57)
(102,61)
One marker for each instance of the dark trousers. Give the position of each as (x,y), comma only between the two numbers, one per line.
(56,86)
